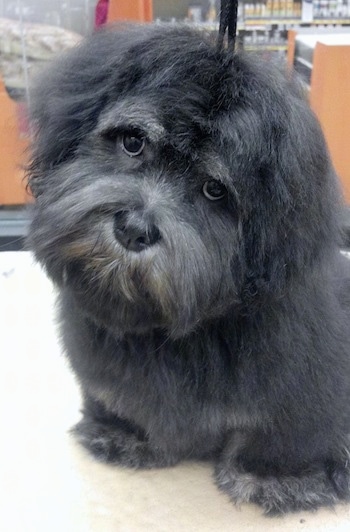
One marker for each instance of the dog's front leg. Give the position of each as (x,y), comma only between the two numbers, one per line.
(273,486)
(114,440)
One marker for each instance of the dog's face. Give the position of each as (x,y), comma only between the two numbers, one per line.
(174,183)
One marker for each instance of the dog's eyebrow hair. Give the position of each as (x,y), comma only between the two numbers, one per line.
(132,114)
(214,166)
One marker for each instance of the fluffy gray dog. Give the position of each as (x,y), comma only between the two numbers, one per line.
(186,209)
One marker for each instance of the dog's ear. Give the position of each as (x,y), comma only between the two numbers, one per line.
(291,198)
(64,99)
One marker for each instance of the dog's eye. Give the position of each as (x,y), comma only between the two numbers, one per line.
(133,144)
(214,190)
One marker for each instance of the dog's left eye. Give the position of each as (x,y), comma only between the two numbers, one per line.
(214,190)
(133,144)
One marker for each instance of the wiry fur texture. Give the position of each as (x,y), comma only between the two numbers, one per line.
(226,335)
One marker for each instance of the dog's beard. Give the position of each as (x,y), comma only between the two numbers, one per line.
(167,286)
(176,284)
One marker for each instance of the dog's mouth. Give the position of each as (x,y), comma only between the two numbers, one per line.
(134,296)
(115,296)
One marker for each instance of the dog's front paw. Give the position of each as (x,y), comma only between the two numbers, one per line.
(278,494)
(111,443)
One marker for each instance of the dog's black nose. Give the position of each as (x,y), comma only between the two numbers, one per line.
(134,232)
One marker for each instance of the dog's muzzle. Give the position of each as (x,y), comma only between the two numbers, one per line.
(134,231)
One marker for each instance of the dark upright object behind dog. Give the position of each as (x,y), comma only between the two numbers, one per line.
(186,208)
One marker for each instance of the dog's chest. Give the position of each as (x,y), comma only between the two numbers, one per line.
(184,391)
(167,390)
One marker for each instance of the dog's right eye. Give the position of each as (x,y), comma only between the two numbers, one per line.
(133,144)
(213,190)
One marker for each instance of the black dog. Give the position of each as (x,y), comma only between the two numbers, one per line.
(186,208)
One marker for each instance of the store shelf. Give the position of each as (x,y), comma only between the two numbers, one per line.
(251,21)
(14,225)
(265,47)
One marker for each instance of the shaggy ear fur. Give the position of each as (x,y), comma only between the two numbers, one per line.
(277,141)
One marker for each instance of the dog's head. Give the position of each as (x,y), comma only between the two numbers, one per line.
(174,182)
